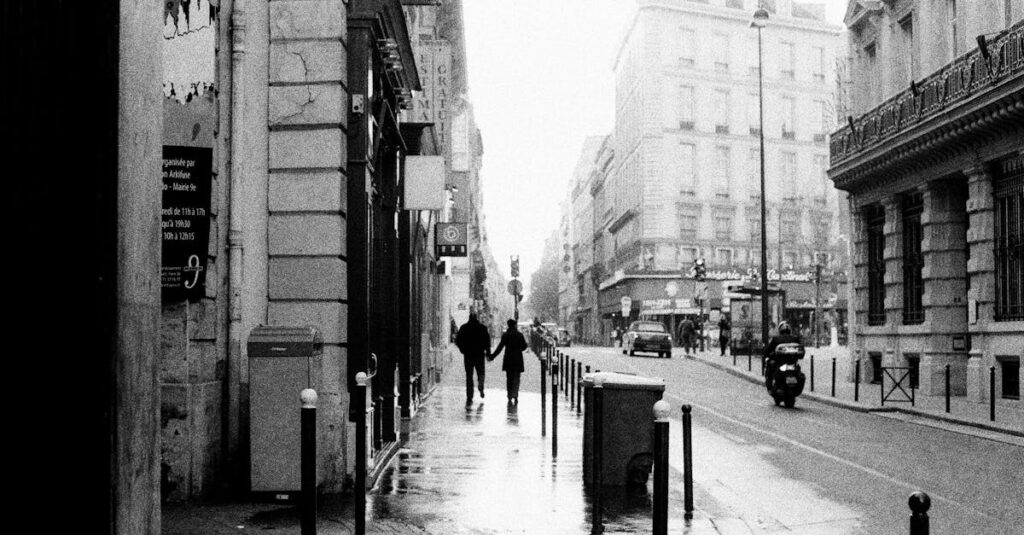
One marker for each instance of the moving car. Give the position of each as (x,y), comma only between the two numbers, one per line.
(564,338)
(647,336)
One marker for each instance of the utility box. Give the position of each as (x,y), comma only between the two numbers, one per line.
(280,363)
(627,427)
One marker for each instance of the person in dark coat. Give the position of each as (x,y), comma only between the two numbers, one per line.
(724,333)
(514,343)
(688,330)
(474,342)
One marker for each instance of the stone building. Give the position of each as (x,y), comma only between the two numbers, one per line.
(685,178)
(932,157)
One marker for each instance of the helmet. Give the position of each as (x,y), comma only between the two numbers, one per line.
(784,328)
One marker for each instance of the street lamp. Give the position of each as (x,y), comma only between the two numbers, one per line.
(759,21)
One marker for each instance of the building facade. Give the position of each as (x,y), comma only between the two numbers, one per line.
(933,159)
(685,178)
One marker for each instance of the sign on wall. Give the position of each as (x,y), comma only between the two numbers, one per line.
(185,221)
(450,239)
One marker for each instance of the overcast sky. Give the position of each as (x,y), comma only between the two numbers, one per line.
(540,79)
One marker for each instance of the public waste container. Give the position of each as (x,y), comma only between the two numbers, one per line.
(627,427)
(279,369)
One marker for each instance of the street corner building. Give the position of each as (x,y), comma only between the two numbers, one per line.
(262,176)
(932,156)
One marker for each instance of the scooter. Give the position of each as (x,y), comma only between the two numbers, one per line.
(787,380)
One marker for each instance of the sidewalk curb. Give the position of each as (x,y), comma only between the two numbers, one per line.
(828,400)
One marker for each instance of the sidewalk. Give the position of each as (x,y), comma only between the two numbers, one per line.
(929,410)
(485,468)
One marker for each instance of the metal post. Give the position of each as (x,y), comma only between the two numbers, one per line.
(992,393)
(308,461)
(856,381)
(687,463)
(919,504)
(554,410)
(598,436)
(812,373)
(750,364)
(833,377)
(947,388)
(817,304)
(579,388)
(661,468)
(564,374)
(733,351)
(572,383)
(543,396)
(359,493)
(764,197)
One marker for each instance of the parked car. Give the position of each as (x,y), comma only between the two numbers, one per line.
(564,338)
(647,336)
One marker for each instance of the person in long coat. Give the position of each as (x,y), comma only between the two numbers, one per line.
(474,342)
(514,343)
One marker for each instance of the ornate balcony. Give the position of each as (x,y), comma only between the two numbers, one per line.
(965,78)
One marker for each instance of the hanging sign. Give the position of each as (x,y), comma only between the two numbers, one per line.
(450,239)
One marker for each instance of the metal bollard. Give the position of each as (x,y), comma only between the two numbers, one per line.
(919,504)
(595,511)
(947,388)
(564,374)
(750,365)
(992,393)
(572,383)
(543,397)
(554,412)
(733,350)
(687,464)
(579,388)
(661,468)
(833,377)
(856,381)
(307,461)
(812,373)
(359,493)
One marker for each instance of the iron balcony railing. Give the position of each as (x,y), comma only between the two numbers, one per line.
(958,81)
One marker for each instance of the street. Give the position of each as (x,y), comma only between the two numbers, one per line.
(823,469)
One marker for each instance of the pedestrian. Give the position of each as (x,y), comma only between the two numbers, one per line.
(687,329)
(724,333)
(474,342)
(614,336)
(514,343)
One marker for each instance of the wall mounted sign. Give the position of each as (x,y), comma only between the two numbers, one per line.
(185,221)
(450,239)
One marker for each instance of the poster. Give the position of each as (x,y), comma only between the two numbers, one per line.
(185,221)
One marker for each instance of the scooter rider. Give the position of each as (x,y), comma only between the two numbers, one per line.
(785,336)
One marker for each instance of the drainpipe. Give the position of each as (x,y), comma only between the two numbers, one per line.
(235,236)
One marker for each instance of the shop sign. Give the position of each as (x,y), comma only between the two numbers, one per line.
(185,221)
(667,306)
(450,239)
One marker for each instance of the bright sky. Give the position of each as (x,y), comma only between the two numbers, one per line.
(540,79)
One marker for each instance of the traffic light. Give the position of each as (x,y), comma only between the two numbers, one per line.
(699,271)
(515,266)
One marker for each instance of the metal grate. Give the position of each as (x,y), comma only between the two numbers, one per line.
(1009,240)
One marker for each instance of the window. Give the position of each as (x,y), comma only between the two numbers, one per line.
(721,111)
(753,114)
(754,225)
(723,227)
(723,170)
(790,228)
(821,171)
(913,260)
(686,48)
(954,38)
(788,167)
(788,117)
(687,224)
(822,229)
(752,54)
(818,62)
(687,179)
(823,122)
(720,42)
(1010,368)
(875,221)
(685,110)
(1008,192)
(790,260)
(687,255)
(914,373)
(723,257)
(754,173)
(788,60)
(908,52)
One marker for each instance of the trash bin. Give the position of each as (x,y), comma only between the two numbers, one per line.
(627,429)
(279,369)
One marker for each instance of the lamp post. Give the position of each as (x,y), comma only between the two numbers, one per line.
(759,20)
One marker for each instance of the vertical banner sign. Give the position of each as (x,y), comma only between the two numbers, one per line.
(185,221)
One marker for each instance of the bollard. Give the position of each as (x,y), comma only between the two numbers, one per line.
(579,388)
(947,388)
(307,460)
(833,377)
(359,493)
(750,365)
(812,373)
(543,397)
(856,382)
(572,383)
(661,468)
(733,350)
(554,412)
(919,504)
(564,374)
(595,510)
(687,464)
(992,393)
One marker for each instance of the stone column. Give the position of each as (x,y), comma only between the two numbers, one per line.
(944,246)
(857,313)
(981,273)
(893,257)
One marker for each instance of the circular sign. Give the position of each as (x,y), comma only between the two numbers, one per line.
(451,233)
(672,288)
(625,301)
(515,287)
